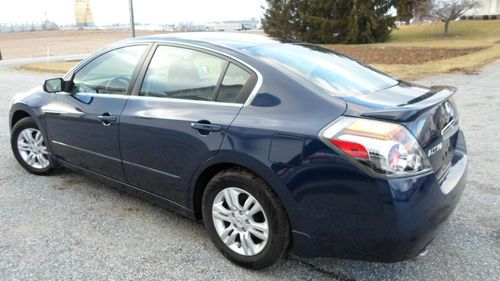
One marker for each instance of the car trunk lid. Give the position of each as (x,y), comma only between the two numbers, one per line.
(429,113)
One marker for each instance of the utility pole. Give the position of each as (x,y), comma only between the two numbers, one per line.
(132,24)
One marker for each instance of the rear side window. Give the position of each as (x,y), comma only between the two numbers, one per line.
(233,84)
(109,73)
(182,74)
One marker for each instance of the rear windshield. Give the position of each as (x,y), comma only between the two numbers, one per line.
(333,72)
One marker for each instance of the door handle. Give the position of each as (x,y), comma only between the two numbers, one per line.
(106,118)
(206,128)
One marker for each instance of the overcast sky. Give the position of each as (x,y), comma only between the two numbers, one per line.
(146,11)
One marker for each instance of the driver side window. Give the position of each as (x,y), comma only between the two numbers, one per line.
(109,73)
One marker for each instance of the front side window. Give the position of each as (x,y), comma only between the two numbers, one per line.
(182,74)
(109,73)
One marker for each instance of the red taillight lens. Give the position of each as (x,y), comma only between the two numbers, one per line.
(386,148)
(355,150)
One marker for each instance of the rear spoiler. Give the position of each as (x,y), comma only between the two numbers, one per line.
(412,109)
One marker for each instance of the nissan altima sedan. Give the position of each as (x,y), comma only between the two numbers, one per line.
(274,144)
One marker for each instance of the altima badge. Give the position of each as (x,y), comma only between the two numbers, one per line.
(435,149)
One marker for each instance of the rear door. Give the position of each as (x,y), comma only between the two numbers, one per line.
(83,124)
(178,117)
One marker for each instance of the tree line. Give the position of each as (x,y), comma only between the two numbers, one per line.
(353,21)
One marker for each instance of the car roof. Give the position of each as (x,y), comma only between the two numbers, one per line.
(231,40)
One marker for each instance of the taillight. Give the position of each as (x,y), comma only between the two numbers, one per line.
(386,148)
(355,150)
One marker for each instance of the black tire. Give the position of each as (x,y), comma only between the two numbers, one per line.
(21,125)
(278,224)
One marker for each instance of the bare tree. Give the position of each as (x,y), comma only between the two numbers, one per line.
(422,9)
(448,10)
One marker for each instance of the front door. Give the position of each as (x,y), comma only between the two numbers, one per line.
(83,124)
(179,118)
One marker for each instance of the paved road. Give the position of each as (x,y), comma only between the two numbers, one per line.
(67,227)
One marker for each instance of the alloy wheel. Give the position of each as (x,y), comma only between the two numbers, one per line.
(32,149)
(240,221)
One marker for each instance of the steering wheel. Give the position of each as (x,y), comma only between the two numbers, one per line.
(115,84)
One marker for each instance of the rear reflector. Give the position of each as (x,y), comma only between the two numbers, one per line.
(355,150)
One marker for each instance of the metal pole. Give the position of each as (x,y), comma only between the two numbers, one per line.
(132,24)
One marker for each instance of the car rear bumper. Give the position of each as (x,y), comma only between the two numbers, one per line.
(396,223)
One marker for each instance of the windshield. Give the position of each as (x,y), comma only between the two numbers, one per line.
(333,72)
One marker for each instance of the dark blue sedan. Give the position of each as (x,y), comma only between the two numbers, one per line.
(274,144)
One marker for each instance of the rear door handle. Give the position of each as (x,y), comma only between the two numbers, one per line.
(106,118)
(206,128)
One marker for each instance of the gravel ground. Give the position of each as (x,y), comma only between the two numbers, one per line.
(68,227)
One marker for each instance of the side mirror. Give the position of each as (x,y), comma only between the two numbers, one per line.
(53,85)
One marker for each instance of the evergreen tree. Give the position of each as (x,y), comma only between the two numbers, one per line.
(278,18)
(405,9)
(329,21)
(408,9)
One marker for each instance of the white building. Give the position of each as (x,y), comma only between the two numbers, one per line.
(234,25)
(488,7)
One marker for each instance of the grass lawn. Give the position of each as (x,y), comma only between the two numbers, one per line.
(413,51)
(425,51)
(469,33)
(54,67)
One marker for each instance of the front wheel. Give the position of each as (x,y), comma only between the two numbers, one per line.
(245,219)
(29,147)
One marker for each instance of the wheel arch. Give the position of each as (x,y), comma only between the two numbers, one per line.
(17,116)
(226,160)
(21,110)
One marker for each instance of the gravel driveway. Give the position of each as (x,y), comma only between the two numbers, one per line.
(68,227)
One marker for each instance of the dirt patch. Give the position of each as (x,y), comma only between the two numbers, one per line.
(401,55)
(465,70)
(66,184)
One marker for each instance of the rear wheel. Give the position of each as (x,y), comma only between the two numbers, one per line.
(245,219)
(28,145)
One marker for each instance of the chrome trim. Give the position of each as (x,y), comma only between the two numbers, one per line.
(255,89)
(59,112)
(151,169)
(448,127)
(259,75)
(111,48)
(185,101)
(104,95)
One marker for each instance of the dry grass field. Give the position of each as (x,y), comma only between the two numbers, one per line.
(420,50)
(413,51)
(16,45)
